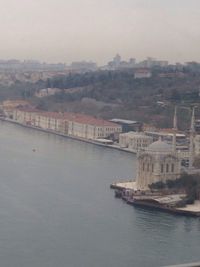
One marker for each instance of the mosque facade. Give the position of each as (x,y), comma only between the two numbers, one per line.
(159,162)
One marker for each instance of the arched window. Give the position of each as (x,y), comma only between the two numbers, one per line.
(152,168)
(162,168)
(167,167)
(172,167)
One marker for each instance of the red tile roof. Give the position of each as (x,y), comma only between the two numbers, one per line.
(86,119)
(76,117)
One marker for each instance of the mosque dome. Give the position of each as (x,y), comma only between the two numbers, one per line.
(160,146)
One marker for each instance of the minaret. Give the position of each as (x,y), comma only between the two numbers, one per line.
(174,143)
(192,131)
(175,119)
(175,128)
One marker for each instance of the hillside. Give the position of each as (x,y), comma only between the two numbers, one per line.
(111,94)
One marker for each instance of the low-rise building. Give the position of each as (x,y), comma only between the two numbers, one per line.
(134,141)
(47,92)
(8,106)
(82,126)
(167,135)
(85,126)
(142,73)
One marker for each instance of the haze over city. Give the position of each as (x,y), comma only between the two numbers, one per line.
(65,31)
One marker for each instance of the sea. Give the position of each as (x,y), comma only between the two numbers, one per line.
(57,208)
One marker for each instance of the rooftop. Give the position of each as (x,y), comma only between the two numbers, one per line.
(75,117)
(159,146)
(123,121)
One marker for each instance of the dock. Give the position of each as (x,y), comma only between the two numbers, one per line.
(129,185)
(157,201)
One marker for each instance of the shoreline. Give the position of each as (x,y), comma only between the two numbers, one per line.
(118,185)
(89,141)
(185,211)
(175,211)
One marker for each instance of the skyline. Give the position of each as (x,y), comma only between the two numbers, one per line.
(66,31)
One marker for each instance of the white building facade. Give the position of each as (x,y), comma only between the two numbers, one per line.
(78,125)
(157,163)
(134,141)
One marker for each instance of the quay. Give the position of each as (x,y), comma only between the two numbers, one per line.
(157,201)
(123,185)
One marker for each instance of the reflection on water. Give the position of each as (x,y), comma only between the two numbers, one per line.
(56,208)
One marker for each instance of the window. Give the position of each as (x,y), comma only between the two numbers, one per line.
(148,167)
(172,167)
(143,167)
(152,168)
(167,167)
(162,168)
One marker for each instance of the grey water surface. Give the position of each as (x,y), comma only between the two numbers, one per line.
(56,208)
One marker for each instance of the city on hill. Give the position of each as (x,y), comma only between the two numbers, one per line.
(145,91)
(124,105)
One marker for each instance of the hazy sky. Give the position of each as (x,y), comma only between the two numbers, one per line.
(69,30)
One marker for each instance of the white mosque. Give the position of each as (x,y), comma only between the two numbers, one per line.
(160,161)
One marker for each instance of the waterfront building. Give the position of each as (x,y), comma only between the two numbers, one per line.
(79,125)
(8,106)
(159,162)
(88,127)
(134,141)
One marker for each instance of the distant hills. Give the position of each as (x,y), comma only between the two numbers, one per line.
(111,94)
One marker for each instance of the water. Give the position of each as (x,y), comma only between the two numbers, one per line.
(56,208)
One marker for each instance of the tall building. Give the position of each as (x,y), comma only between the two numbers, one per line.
(117,60)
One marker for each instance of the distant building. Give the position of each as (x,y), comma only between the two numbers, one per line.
(79,125)
(132,62)
(47,92)
(176,74)
(117,60)
(142,73)
(29,65)
(8,106)
(134,141)
(167,135)
(118,64)
(128,125)
(83,66)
